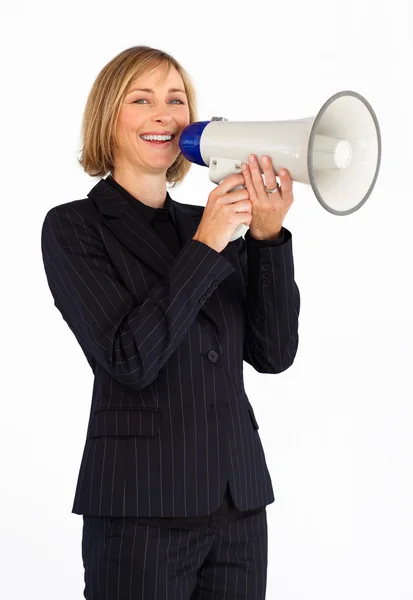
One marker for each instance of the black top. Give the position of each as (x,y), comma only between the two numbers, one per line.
(163,221)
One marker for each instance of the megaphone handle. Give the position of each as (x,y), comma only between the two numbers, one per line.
(242,228)
(220,169)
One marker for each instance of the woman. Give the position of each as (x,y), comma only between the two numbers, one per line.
(173,483)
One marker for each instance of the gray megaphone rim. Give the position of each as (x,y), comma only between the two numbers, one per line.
(311,143)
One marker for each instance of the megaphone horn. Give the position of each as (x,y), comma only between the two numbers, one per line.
(337,152)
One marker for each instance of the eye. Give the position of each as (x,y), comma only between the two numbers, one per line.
(139,100)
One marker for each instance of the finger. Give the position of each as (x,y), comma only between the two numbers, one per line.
(230,182)
(269,173)
(256,174)
(286,185)
(248,182)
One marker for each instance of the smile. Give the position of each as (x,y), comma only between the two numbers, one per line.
(160,141)
(157,138)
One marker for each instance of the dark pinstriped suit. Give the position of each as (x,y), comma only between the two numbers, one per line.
(165,329)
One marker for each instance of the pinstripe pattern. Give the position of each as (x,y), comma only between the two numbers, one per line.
(170,422)
(126,560)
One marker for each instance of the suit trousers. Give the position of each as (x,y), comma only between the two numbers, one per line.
(216,557)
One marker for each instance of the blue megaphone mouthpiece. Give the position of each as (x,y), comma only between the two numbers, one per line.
(190,142)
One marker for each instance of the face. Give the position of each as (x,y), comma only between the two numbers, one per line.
(155,104)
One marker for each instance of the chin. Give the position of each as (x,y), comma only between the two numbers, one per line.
(161,164)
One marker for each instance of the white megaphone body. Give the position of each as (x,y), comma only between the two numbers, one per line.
(337,152)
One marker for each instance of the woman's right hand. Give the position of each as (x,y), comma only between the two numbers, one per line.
(225,210)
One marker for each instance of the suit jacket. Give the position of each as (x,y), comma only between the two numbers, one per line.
(166,336)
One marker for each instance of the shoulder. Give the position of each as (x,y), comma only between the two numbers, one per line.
(83,209)
(74,214)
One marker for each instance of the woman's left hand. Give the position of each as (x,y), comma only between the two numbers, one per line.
(268,209)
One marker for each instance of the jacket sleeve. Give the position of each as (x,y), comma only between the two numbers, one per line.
(273,302)
(130,341)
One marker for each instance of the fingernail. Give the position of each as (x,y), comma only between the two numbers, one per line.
(251,158)
(283,172)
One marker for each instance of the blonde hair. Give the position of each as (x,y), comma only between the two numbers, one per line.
(104,103)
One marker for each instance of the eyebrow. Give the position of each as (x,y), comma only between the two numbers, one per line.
(149,91)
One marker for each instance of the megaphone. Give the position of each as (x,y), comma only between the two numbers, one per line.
(337,152)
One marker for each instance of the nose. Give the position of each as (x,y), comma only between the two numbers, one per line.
(163,115)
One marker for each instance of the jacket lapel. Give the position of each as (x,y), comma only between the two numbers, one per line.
(136,234)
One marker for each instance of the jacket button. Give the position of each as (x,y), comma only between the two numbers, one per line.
(202,299)
(213,356)
(266,283)
(215,285)
(265,267)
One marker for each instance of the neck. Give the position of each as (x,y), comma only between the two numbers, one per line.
(146,187)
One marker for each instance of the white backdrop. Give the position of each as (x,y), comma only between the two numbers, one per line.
(337,426)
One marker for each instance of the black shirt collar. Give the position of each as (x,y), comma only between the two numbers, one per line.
(148,212)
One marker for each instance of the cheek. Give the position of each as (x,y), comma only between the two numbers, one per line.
(184,118)
(127,122)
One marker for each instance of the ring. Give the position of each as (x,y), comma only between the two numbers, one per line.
(274,191)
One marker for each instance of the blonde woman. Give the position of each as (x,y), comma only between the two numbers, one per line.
(173,483)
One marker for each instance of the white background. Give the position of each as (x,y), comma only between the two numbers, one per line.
(337,426)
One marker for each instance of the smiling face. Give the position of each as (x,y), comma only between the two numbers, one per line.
(154,104)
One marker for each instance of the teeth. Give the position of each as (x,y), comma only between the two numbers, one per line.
(157,137)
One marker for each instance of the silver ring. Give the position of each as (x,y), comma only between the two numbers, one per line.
(274,191)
